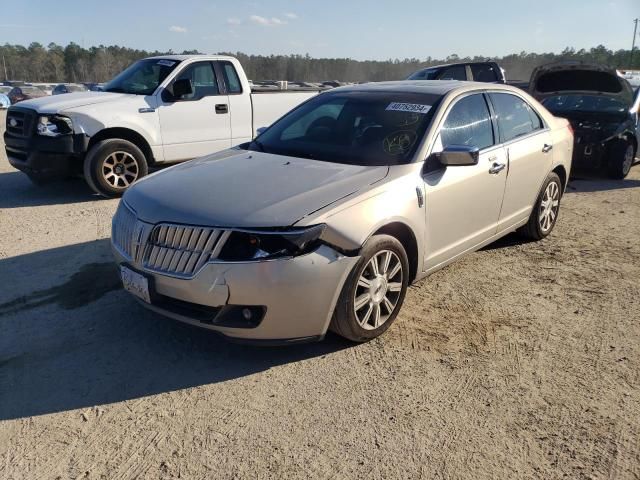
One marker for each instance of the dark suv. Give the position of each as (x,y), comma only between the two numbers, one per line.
(488,72)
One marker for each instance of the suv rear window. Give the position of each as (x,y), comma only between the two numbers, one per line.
(484,73)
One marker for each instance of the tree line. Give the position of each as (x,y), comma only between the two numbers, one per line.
(72,63)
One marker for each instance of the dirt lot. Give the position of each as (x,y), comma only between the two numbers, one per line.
(520,361)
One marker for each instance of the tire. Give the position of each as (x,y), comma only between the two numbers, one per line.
(112,165)
(621,159)
(544,215)
(382,298)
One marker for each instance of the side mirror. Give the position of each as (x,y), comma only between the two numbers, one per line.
(458,155)
(181,87)
(261,130)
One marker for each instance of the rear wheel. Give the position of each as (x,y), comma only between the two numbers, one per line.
(374,291)
(112,165)
(621,159)
(545,211)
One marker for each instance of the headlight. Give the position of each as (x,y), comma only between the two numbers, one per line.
(265,245)
(54,125)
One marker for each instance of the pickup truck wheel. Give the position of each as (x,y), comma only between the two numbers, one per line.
(374,291)
(112,165)
(545,211)
(621,159)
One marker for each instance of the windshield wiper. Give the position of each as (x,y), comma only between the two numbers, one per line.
(258,144)
(116,90)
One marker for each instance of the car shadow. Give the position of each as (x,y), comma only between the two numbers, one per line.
(16,191)
(72,339)
(588,183)
(510,240)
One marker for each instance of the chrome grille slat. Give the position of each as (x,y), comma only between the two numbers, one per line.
(123,230)
(180,250)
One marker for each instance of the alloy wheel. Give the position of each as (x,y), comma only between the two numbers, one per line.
(549,207)
(120,169)
(378,290)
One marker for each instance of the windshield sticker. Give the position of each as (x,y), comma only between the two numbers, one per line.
(408,107)
(166,63)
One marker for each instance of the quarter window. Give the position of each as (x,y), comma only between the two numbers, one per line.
(231,78)
(468,123)
(203,80)
(515,116)
(459,72)
(484,73)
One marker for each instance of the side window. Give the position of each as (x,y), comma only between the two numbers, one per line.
(203,80)
(514,116)
(468,123)
(457,72)
(231,78)
(484,73)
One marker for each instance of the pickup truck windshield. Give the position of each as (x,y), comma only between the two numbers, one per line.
(143,77)
(584,103)
(357,127)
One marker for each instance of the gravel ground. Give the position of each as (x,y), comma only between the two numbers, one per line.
(520,361)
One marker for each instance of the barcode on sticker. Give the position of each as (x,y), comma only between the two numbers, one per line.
(408,107)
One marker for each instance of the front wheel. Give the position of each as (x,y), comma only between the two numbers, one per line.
(374,291)
(112,165)
(546,209)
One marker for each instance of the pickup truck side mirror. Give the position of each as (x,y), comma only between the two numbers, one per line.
(181,87)
(458,155)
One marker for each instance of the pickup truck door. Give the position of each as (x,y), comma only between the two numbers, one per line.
(528,145)
(463,201)
(198,123)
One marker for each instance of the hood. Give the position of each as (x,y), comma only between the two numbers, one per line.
(59,103)
(244,189)
(570,78)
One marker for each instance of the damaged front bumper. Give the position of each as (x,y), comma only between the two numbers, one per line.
(272,301)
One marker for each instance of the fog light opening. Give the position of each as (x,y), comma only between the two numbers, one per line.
(247,314)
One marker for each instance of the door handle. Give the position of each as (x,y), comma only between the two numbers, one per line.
(497,168)
(222,108)
(547,148)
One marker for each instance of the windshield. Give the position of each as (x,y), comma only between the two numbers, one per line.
(360,128)
(143,77)
(76,88)
(585,103)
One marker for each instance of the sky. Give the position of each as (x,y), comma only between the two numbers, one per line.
(356,29)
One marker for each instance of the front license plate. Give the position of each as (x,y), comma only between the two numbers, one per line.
(135,283)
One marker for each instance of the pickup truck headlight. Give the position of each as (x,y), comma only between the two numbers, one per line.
(267,245)
(54,125)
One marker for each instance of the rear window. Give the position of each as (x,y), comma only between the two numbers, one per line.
(581,80)
(484,73)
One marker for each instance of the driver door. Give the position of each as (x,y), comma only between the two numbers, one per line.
(463,201)
(196,124)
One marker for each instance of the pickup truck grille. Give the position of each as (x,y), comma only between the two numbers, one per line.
(182,250)
(20,122)
(165,248)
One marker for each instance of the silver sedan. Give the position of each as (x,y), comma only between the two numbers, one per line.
(327,216)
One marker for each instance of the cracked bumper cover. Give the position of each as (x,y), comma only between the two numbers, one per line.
(299,293)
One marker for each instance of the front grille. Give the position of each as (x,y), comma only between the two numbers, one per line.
(123,229)
(165,248)
(20,122)
(182,250)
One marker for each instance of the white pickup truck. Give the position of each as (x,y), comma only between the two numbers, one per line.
(159,110)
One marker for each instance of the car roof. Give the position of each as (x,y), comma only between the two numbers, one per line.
(181,58)
(433,87)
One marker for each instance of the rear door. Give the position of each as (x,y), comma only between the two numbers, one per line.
(196,124)
(463,202)
(528,145)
